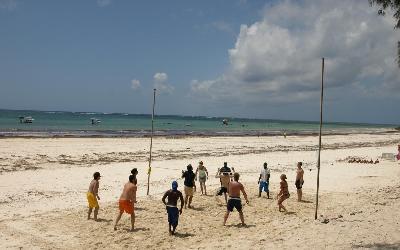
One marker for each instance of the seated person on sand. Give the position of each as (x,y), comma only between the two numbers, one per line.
(263,180)
(283,193)
(127,201)
(203,175)
(224,175)
(92,196)
(172,210)
(189,185)
(235,187)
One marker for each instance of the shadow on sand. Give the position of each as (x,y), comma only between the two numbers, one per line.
(379,246)
(290,212)
(138,229)
(197,208)
(183,235)
(103,220)
(304,201)
(241,226)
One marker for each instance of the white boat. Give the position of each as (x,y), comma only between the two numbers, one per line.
(95,121)
(26,119)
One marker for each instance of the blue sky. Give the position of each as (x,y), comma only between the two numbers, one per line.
(213,58)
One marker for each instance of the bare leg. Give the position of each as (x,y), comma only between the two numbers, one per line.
(190,201)
(226,198)
(298,195)
(205,190)
(89,213)
(301,194)
(96,212)
(173,229)
(133,220)
(259,192)
(169,229)
(241,218)
(226,216)
(201,187)
(118,218)
(186,201)
(268,194)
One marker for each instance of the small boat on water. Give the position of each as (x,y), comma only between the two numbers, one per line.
(95,121)
(26,119)
(225,122)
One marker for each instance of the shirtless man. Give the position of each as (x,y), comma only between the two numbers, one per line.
(283,193)
(173,214)
(127,200)
(234,198)
(299,181)
(224,175)
(203,175)
(93,195)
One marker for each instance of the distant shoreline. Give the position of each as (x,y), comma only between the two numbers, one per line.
(180,133)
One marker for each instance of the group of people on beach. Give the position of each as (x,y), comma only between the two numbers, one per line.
(230,187)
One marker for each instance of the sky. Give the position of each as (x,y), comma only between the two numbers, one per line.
(226,58)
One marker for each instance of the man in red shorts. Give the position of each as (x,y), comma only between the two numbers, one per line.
(127,200)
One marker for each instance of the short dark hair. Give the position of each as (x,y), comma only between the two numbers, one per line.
(96,175)
(189,167)
(225,164)
(300,163)
(236,176)
(132,178)
(134,171)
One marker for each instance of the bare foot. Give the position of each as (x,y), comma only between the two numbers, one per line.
(115,228)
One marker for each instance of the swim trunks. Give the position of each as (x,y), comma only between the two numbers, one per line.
(125,205)
(173,215)
(188,191)
(299,184)
(222,190)
(264,186)
(92,200)
(234,202)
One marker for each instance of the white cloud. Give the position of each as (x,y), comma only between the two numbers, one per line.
(160,83)
(278,58)
(8,4)
(135,84)
(103,3)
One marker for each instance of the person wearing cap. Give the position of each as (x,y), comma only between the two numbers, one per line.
(224,174)
(189,184)
(203,175)
(299,180)
(171,205)
(283,193)
(92,196)
(263,180)
(127,202)
(235,187)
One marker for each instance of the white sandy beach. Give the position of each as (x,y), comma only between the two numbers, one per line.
(44,183)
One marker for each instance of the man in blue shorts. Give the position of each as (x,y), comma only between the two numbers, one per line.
(173,213)
(263,180)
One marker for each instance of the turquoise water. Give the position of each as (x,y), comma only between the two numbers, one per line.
(79,124)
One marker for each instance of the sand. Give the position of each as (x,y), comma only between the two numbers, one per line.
(44,181)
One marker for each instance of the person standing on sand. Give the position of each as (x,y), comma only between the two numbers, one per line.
(235,187)
(92,196)
(203,176)
(398,155)
(299,181)
(224,175)
(127,201)
(189,184)
(263,180)
(283,193)
(173,213)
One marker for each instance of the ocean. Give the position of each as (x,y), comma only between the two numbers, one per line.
(79,124)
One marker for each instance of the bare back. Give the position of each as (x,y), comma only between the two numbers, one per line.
(234,189)
(129,192)
(94,187)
